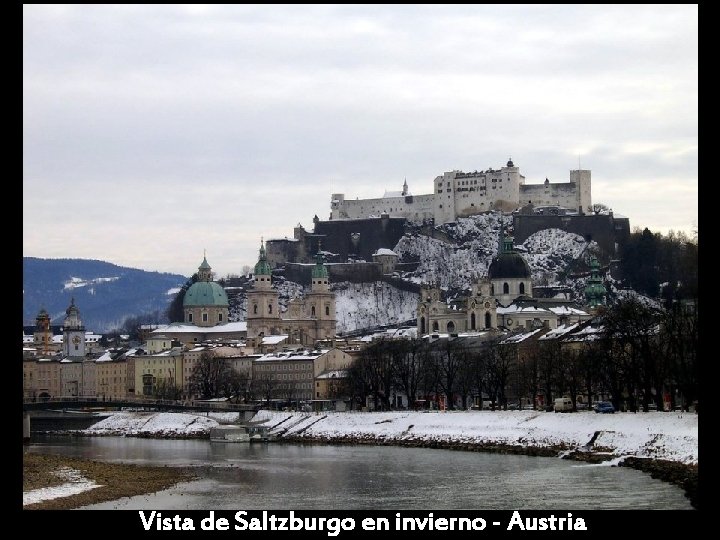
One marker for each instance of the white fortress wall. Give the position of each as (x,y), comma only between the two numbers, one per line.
(564,195)
(459,194)
(414,208)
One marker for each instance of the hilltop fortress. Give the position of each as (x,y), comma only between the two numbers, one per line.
(357,229)
(458,194)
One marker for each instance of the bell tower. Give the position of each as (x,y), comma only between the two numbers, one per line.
(73,332)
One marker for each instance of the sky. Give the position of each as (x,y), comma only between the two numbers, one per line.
(155,133)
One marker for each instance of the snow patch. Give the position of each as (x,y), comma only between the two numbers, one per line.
(76,282)
(75,483)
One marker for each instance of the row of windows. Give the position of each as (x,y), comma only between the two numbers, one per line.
(205,317)
(301,386)
(286,367)
(290,376)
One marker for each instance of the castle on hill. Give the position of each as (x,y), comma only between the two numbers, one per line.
(458,194)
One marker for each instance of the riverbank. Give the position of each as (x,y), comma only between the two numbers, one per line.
(61,477)
(664,445)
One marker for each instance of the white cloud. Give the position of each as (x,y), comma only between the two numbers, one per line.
(189,122)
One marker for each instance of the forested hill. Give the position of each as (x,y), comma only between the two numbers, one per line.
(105,293)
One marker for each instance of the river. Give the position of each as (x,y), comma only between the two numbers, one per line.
(295,476)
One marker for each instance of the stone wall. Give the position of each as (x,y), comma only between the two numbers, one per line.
(353,272)
(606,230)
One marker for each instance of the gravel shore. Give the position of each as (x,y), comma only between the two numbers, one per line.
(117,480)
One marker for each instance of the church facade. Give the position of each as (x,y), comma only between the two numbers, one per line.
(502,300)
(306,321)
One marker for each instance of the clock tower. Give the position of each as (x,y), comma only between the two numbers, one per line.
(73,332)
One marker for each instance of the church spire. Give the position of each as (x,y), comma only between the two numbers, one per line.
(595,291)
(204,270)
(262,268)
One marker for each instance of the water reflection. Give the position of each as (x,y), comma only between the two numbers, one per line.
(284,476)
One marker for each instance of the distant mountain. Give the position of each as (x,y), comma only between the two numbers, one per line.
(105,293)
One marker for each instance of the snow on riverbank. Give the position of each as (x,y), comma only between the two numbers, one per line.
(669,436)
(151,424)
(75,483)
(652,435)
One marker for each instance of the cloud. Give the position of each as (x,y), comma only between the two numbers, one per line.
(218,124)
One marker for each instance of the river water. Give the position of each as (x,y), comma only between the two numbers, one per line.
(294,476)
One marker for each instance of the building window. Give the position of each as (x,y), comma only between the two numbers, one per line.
(436,326)
(219,317)
(269,308)
(189,317)
(472,321)
(522,288)
(255,309)
(204,317)
(327,310)
(312,311)
(506,288)
(487,320)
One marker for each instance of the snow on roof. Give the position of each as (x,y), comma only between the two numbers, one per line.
(393,194)
(385,251)
(57,339)
(518,338)
(567,310)
(28,339)
(292,355)
(514,308)
(191,328)
(274,340)
(589,333)
(106,357)
(559,331)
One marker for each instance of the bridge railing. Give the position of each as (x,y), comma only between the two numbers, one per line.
(141,402)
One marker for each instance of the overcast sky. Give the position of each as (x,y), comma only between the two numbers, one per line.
(153,132)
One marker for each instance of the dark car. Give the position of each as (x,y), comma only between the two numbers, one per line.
(604,407)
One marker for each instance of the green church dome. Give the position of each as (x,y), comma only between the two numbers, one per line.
(262,268)
(319,271)
(205,293)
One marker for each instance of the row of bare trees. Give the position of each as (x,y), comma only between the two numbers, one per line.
(638,355)
(454,368)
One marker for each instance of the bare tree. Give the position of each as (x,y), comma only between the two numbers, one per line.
(208,375)
(266,385)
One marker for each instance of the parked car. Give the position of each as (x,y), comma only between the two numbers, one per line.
(563,405)
(604,407)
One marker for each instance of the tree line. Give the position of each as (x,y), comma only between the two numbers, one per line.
(637,356)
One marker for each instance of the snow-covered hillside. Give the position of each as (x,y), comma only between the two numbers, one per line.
(473,242)
(456,264)
(461,253)
(364,305)
(550,252)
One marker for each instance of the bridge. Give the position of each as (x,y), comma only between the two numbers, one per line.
(77,403)
(51,406)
